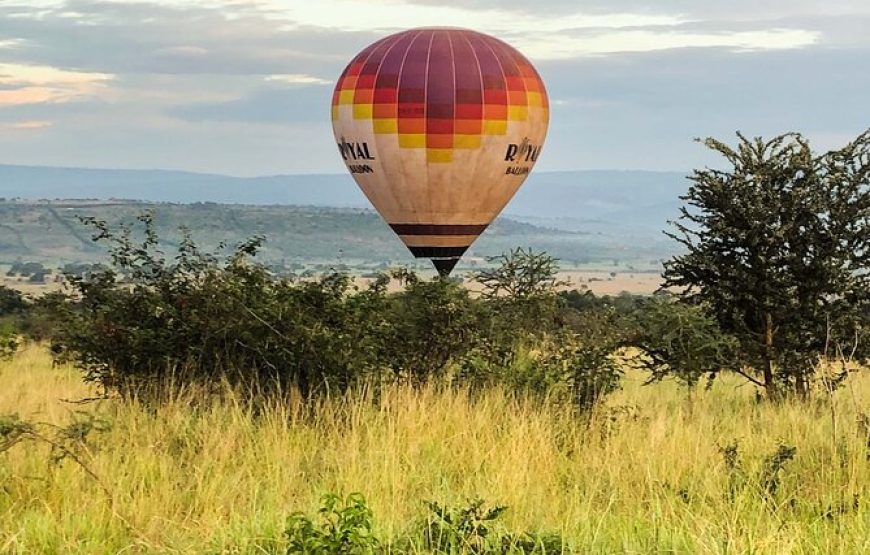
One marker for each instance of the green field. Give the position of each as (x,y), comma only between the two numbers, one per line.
(656,469)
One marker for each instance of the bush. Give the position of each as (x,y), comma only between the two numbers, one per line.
(431,324)
(681,340)
(344,527)
(12,302)
(471,529)
(146,321)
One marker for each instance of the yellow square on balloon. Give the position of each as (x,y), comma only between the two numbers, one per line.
(412,140)
(362,111)
(494,127)
(466,141)
(346,96)
(385,126)
(439,155)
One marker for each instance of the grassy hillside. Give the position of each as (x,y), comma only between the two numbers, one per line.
(50,233)
(658,470)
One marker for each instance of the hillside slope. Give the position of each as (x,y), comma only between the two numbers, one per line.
(51,233)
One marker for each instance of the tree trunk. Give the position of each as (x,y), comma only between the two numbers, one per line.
(802,385)
(768,370)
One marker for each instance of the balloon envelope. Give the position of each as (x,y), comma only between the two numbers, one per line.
(439,128)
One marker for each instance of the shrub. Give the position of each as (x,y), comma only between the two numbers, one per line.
(12,302)
(8,344)
(473,529)
(461,529)
(431,324)
(147,321)
(681,340)
(346,527)
(521,290)
(343,527)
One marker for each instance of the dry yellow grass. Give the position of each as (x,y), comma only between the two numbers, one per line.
(646,475)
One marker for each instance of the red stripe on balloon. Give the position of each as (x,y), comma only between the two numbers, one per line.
(440,93)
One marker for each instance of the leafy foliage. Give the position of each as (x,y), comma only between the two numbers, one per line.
(432,323)
(522,288)
(462,529)
(346,527)
(681,340)
(11,301)
(147,321)
(768,479)
(779,251)
(471,529)
(343,527)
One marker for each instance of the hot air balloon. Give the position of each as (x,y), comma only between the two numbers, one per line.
(439,127)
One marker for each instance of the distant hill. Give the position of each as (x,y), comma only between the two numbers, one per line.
(49,232)
(636,199)
(37,182)
(586,217)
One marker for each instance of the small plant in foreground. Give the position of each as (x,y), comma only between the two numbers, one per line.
(773,465)
(450,529)
(769,478)
(470,529)
(344,527)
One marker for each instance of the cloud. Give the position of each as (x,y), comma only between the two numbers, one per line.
(234,85)
(27,125)
(574,45)
(272,105)
(28,84)
(696,9)
(544,33)
(182,50)
(171,38)
(351,15)
(298,79)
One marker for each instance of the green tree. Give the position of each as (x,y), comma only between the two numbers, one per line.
(520,274)
(680,340)
(431,323)
(11,301)
(522,287)
(777,248)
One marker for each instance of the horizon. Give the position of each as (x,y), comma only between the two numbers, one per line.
(303,174)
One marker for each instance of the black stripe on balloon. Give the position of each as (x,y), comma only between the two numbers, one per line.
(438,229)
(444,265)
(438,252)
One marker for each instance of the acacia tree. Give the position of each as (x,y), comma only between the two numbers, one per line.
(778,250)
(522,288)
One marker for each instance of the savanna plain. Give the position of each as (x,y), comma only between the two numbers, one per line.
(658,468)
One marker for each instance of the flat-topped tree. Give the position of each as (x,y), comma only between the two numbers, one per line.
(778,250)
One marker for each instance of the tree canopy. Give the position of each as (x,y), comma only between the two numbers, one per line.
(777,250)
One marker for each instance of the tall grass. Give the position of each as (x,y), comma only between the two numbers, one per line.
(645,474)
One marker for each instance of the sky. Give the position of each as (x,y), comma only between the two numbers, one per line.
(242,87)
